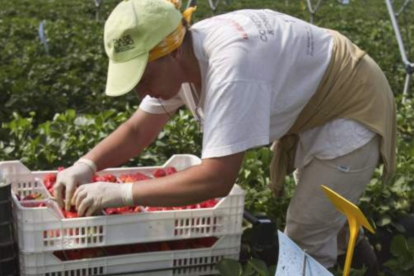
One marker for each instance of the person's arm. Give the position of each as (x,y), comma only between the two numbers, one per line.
(128,140)
(125,142)
(214,177)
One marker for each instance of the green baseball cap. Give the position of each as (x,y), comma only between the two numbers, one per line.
(134,28)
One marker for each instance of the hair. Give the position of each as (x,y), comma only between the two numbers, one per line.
(187,37)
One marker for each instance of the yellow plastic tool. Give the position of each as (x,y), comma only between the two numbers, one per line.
(355,219)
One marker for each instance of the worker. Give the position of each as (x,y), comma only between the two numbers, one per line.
(251,78)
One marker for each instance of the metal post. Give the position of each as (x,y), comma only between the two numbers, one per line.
(406,87)
(408,65)
(98,4)
(313,10)
(397,31)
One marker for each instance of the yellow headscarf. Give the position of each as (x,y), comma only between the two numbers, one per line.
(175,39)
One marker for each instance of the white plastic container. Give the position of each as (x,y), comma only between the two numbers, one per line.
(194,262)
(44,229)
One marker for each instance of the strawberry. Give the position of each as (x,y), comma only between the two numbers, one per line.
(110,178)
(33,204)
(178,245)
(60,169)
(164,172)
(128,178)
(111,211)
(138,248)
(153,246)
(49,180)
(35,196)
(179,208)
(170,170)
(119,250)
(194,206)
(208,203)
(84,253)
(73,213)
(123,210)
(72,254)
(153,209)
(88,253)
(164,247)
(159,173)
(206,242)
(105,178)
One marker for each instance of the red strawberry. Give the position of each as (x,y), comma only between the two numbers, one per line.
(60,169)
(111,211)
(104,178)
(194,206)
(178,245)
(128,178)
(110,178)
(73,213)
(153,209)
(153,246)
(33,204)
(180,208)
(206,242)
(208,203)
(88,253)
(170,170)
(34,196)
(164,247)
(159,173)
(123,210)
(164,172)
(138,248)
(73,254)
(119,250)
(49,180)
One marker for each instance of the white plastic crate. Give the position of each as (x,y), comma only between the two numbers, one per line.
(194,262)
(44,229)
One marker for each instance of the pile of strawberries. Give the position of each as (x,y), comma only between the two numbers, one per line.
(49,181)
(77,254)
(29,200)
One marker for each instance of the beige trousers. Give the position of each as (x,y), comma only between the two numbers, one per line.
(312,221)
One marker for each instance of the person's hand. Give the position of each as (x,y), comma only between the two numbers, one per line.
(94,197)
(67,180)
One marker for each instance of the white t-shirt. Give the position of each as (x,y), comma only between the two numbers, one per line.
(259,69)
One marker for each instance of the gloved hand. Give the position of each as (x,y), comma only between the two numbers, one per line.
(90,198)
(67,180)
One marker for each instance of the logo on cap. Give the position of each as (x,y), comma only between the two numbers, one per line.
(123,44)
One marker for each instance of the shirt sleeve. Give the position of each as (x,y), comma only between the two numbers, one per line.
(159,106)
(236,118)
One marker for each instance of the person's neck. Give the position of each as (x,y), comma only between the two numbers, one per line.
(190,64)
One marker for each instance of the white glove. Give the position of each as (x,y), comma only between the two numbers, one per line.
(67,180)
(94,197)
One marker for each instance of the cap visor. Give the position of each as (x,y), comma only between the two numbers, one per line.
(124,76)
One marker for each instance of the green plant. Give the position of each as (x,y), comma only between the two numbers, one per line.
(402,263)
(253,267)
